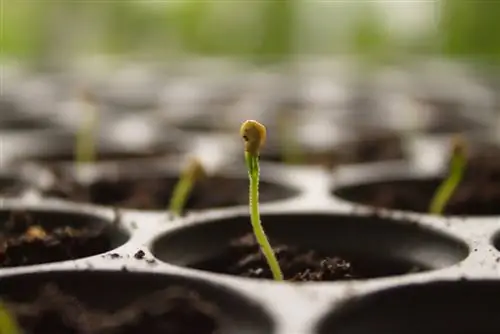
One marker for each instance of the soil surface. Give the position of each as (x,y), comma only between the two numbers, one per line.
(155,193)
(24,124)
(11,187)
(478,193)
(452,126)
(53,160)
(450,121)
(244,258)
(369,149)
(170,311)
(25,241)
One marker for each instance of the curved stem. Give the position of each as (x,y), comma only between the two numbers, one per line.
(85,146)
(258,230)
(180,194)
(447,188)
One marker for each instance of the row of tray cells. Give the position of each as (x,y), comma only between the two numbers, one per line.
(310,246)
(194,305)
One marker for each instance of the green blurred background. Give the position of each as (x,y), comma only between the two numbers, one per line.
(56,33)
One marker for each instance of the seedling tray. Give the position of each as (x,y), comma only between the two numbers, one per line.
(78,256)
(365,265)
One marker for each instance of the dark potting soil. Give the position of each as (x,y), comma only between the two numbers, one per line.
(155,193)
(10,187)
(173,310)
(23,241)
(24,124)
(375,149)
(244,258)
(52,160)
(452,125)
(448,117)
(478,193)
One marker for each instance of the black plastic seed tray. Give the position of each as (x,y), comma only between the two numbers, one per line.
(350,268)
(92,249)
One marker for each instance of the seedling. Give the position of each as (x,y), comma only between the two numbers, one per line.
(455,175)
(291,151)
(193,172)
(85,146)
(254,135)
(8,324)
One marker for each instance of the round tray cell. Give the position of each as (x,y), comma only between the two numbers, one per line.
(95,303)
(31,237)
(478,193)
(153,192)
(365,148)
(10,185)
(24,124)
(57,149)
(496,242)
(460,307)
(311,247)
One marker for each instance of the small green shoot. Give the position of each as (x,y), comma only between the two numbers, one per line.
(254,135)
(291,151)
(8,324)
(193,172)
(85,146)
(456,172)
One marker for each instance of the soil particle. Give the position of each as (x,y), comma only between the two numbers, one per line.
(139,255)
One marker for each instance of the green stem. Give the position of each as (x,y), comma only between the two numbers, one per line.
(180,195)
(448,186)
(258,230)
(291,150)
(85,148)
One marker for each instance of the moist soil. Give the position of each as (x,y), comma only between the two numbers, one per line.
(24,124)
(478,193)
(10,187)
(369,149)
(53,160)
(155,193)
(451,126)
(170,311)
(24,241)
(244,258)
(448,117)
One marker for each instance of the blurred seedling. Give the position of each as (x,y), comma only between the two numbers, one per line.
(254,135)
(455,174)
(291,152)
(85,145)
(192,173)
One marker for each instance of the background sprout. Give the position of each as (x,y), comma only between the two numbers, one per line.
(455,175)
(8,324)
(193,172)
(85,148)
(254,135)
(291,151)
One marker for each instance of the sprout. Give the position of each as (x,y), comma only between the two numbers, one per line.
(85,148)
(8,324)
(291,151)
(456,172)
(254,135)
(193,172)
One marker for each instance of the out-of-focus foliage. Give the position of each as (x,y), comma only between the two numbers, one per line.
(470,29)
(53,32)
